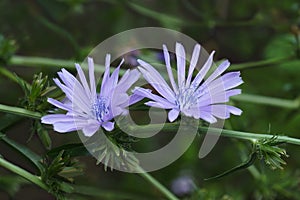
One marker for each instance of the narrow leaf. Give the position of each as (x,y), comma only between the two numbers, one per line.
(30,155)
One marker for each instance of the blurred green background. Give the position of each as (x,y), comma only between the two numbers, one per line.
(244,32)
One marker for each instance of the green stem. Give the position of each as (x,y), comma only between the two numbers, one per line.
(250,136)
(157,184)
(262,63)
(25,174)
(8,74)
(20,111)
(168,126)
(50,62)
(225,133)
(40,62)
(251,98)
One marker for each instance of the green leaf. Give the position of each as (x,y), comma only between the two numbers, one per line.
(30,155)
(269,151)
(244,165)
(43,135)
(7,120)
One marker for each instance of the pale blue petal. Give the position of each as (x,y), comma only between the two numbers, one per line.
(92,78)
(199,77)
(83,80)
(193,63)
(207,116)
(60,105)
(127,80)
(154,77)
(78,100)
(221,68)
(109,126)
(53,118)
(173,114)
(67,78)
(106,72)
(68,126)
(159,105)
(169,68)
(234,110)
(134,98)
(180,57)
(147,93)
(220,97)
(90,129)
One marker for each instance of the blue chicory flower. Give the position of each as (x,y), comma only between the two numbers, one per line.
(86,109)
(198,98)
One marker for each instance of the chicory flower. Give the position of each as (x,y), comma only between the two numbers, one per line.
(193,97)
(86,109)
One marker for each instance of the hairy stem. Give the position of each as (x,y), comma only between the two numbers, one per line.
(225,133)
(250,136)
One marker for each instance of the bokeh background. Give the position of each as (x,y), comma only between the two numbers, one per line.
(259,37)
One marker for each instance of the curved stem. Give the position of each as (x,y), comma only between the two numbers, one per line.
(25,174)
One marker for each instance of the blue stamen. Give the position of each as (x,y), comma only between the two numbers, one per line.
(101,109)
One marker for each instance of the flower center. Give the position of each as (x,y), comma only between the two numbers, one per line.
(186,98)
(101,109)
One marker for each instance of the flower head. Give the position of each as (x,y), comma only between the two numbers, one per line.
(86,109)
(198,98)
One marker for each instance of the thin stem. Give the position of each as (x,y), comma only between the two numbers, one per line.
(25,174)
(11,76)
(262,63)
(168,126)
(252,98)
(157,184)
(8,74)
(20,111)
(250,136)
(50,62)
(225,133)
(40,62)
